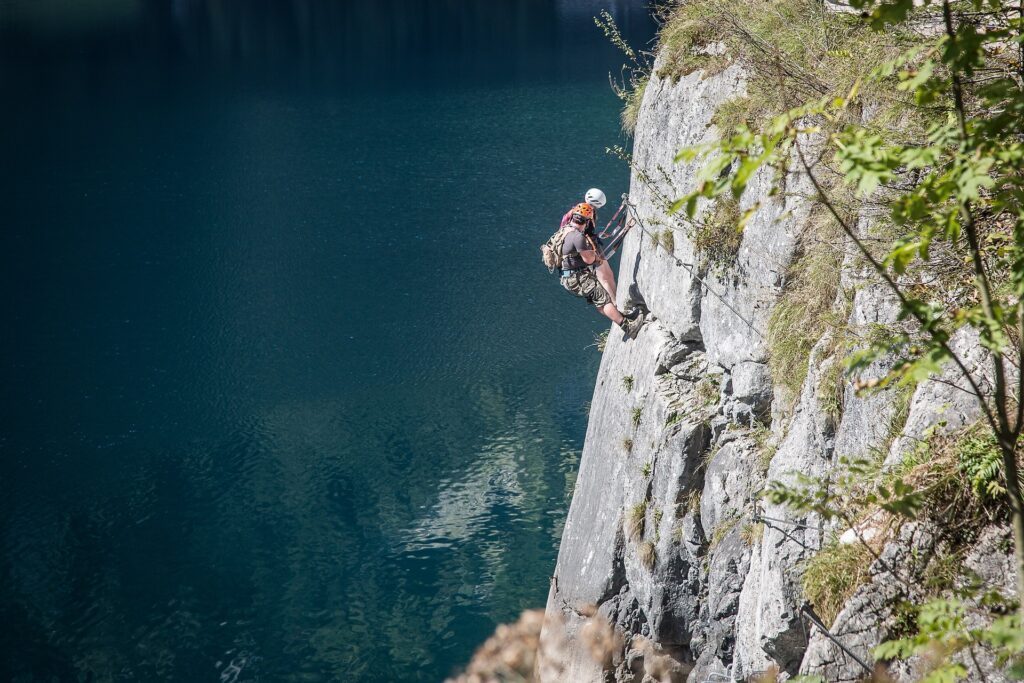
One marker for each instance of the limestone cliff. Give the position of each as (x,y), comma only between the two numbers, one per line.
(668,534)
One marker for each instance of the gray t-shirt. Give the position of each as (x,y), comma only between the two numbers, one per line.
(574,243)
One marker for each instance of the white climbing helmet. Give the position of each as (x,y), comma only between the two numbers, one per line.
(595,198)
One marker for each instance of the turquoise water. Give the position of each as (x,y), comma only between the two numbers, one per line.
(288,395)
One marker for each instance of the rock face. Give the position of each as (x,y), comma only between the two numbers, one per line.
(668,535)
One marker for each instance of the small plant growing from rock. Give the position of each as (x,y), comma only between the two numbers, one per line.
(635,521)
(638,414)
(762,435)
(674,419)
(627,445)
(667,240)
(627,383)
(707,391)
(693,502)
(831,383)
(752,532)
(648,555)
(646,469)
(722,530)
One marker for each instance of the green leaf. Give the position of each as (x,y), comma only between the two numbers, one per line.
(913,78)
(973,177)
(948,673)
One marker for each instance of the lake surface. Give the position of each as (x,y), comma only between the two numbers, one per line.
(287,392)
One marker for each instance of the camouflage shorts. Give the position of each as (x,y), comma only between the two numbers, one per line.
(583,283)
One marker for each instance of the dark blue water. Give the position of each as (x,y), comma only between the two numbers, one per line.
(287,393)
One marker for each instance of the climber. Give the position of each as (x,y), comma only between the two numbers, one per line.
(581,261)
(595,198)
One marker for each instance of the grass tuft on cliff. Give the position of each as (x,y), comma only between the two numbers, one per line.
(635,519)
(833,575)
(805,311)
(717,238)
(648,555)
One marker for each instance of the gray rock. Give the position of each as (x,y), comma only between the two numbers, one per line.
(752,385)
(773,602)
(672,116)
(717,638)
(947,402)
(732,480)
(867,420)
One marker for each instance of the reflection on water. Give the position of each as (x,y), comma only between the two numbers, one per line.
(289,395)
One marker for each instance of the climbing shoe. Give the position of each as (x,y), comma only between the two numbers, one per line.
(631,325)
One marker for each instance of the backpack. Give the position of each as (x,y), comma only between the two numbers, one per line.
(551,251)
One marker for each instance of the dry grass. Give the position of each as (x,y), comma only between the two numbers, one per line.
(666,239)
(635,521)
(648,555)
(752,532)
(632,100)
(718,237)
(707,390)
(693,502)
(508,655)
(832,380)
(832,576)
(722,530)
(804,312)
